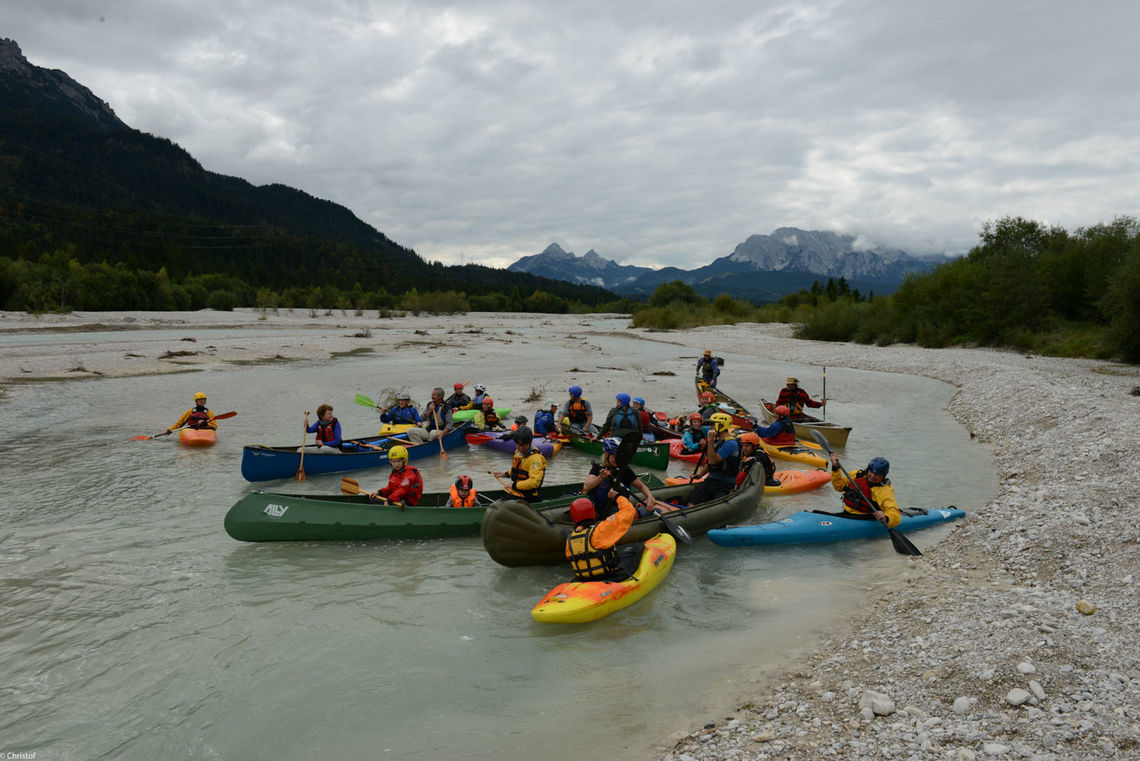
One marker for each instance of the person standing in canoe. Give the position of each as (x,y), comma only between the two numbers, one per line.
(403,413)
(327,429)
(197,417)
(605,476)
(869,485)
(487,419)
(722,462)
(459,400)
(463,492)
(405,484)
(545,421)
(708,368)
(622,419)
(781,432)
(693,439)
(794,398)
(528,466)
(577,413)
(592,547)
(436,419)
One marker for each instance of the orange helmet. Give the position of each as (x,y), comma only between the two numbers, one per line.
(782,410)
(750,438)
(707,398)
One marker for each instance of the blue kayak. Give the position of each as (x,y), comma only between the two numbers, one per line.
(802,528)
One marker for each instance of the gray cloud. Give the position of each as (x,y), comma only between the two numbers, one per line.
(658,135)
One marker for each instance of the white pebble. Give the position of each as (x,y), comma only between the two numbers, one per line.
(1017,696)
(1037,690)
(962,705)
(1025,667)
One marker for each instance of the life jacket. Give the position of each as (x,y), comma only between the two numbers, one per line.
(786,436)
(458,401)
(326,432)
(490,419)
(519,472)
(416,484)
(403,414)
(707,368)
(199,418)
(458,501)
(727,468)
(626,419)
(645,419)
(851,499)
(793,400)
(576,411)
(590,563)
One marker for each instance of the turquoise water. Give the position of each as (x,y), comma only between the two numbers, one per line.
(135,628)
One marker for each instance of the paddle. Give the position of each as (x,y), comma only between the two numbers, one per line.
(506,487)
(144,437)
(364,401)
(825,392)
(902,545)
(300,474)
(439,431)
(352,486)
(628,447)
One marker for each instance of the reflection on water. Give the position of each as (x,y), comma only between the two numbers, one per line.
(135,628)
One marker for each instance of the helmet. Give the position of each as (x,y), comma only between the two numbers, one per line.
(722,421)
(463,482)
(397,453)
(522,435)
(610,445)
(697,417)
(792,381)
(582,509)
(480,388)
(782,410)
(707,398)
(199,395)
(488,402)
(879,465)
(521,419)
(404,396)
(575,391)
(639,400)
(623,399)
(458,386)
(750,438)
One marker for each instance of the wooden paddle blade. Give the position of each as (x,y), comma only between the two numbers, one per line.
(903,545)
(350,486)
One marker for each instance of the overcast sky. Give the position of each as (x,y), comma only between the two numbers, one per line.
(660,133)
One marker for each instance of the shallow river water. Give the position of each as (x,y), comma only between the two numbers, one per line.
(134,628)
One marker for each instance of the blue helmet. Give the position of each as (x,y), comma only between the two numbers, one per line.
(623,399)
(639,400)
(575,391)
(879,465)
(610,445)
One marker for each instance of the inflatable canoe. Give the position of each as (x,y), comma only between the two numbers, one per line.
(201,437)
(791,481)
(577,602)
(802,528)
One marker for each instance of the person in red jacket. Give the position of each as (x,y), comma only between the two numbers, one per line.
(794,398)
(405,484)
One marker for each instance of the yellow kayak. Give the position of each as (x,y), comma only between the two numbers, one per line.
(394,429)
(808,453)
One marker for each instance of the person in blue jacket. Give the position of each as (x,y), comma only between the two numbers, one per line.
(708,368)
(545,421)
(693,439)
(404,413)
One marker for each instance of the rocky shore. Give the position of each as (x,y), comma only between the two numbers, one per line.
(1016,637)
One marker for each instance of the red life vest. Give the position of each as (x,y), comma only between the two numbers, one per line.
(644,420)
(199,419)
(786,436)
(852,502)
(490,419)
(326,432)
(458,501)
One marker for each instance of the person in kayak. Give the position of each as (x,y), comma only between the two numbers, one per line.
(459,400)
(477,400)
(781,432)
(578,413)
(605,476)
(750,452)
(463,492)
(794,398)
(870,494)
(591,549)
(528,466)
(545,421)
(693,439)
(403,413)
(722,462)
(708,368)
(488,419)
(708,406)
(405,484)
(622,418)
(436,419)
(197,417)
(327,429)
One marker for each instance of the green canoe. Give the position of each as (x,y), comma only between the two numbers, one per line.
(649,454)
(272,517)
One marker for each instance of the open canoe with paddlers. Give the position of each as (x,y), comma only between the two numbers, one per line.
(577,602)
(197,437)
(271,517)
(264,463)
(516,533)
(835,434)
(803,527)
(649,454)
(741,417)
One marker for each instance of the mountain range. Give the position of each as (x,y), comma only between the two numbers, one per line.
(762,268)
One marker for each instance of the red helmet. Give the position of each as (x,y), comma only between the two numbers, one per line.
(458,386)
(463,482)
(697,417)
(581,510)
(488,402)
(707,398)
(782,410)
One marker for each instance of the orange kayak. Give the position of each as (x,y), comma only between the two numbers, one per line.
(197,437)
(791,481)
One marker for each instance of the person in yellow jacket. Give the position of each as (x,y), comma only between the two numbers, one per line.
(870,493)
(591,546)
(528,466)
(197,417)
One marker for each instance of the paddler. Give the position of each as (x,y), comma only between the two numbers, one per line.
(722,462)
(197,417)
(708,368)
(403,413)
(327,429)
(463,493)
(794,398)
(605,476)
(781,432)
(545,421)
(477,400)
(405,484)
(643,417)
(459,400)
(528,466)
(577,413)
(622,418)
(750,452)
(870,485)
(436,419)
(591,545)
(693,439)
(487,419)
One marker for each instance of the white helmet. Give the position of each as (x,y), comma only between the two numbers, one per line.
(480,388)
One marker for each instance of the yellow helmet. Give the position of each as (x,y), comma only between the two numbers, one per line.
(722,421)
(397,453)
(199,395)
